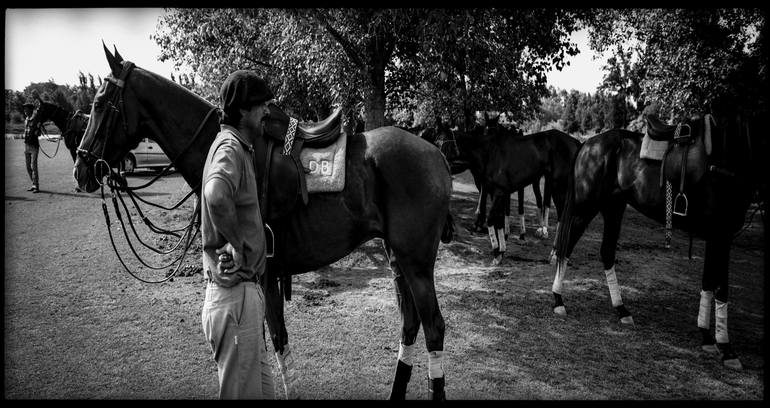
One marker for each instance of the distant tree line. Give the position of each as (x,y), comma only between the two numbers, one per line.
(68,97)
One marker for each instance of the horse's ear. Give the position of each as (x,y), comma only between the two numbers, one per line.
(115,66)
(117,54)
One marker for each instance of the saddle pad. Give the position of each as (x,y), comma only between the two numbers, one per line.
(653,149)
(324,168)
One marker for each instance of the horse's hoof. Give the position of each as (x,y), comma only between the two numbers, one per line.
(733,364)
(627,320)
(560,310)
(710,348)
(522,237)
(497,260)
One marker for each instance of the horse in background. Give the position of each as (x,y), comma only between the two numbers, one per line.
(517,160)
(397,188)
(72,125)
(713,165)
(469,151)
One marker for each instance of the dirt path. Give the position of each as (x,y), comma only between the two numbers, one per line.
(77,326)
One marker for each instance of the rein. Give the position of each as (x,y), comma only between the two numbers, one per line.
(58,142)
(118,184)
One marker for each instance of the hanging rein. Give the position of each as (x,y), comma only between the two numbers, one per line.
(117,184)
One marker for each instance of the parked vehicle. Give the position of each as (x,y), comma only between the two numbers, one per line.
(147,155)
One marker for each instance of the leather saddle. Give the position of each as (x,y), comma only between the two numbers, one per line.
(284,179)
(684,162)
(316,134)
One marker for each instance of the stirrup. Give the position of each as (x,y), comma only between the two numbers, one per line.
(269,241)
(686,204)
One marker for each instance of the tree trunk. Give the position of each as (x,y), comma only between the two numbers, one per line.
(380,49)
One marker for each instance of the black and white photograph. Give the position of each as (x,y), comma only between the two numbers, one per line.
(343,203)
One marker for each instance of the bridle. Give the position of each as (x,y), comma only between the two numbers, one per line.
(117,184)
(39,124)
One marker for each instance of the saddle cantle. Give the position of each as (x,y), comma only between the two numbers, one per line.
(316,134)
(660,131)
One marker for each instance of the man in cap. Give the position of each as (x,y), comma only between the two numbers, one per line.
(31,146)
(233,237)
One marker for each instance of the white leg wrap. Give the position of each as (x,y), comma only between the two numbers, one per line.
(720,315)
(501,239)
(507,224)
(407,353)
(546,211)
(493,237)
(523,224)
(704,311)
(288,374)
(435,364)
(612,283)
(561,271)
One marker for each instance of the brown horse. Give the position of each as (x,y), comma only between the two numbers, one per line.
(517,160)
(72,125)
(470,151)
(397,188)
(609,174)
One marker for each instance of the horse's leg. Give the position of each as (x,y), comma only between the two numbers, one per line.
(577,227)
(277,325)
(559,199)
(507,226)
(715,286)
(410,321)
(542,211)
(419,277)
(480,211)
(522,218)
(495,226)
(613,218)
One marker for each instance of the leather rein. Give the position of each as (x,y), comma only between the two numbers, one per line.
(117,184)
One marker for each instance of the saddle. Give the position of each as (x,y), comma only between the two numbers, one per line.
(684,161)
(282,177)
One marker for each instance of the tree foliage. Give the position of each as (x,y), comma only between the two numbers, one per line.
(449,61)
(687,60)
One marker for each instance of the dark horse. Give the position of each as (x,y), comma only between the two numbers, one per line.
(471,151)
(516,161)
(609,174)
(397,188)
(72,125)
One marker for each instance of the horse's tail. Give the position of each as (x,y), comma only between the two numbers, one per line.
(449,229)
(565,221)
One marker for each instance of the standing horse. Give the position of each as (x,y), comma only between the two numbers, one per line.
(516,161)
(470,151)
(609,174)
(397,188)
(72,125)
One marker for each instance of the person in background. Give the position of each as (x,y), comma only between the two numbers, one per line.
(31,147)
(234,247)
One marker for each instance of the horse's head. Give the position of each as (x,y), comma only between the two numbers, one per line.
(43,112)
(112,129)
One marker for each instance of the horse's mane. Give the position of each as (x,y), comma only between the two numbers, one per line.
(178,89)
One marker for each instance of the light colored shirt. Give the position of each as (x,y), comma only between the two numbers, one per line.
(231,160)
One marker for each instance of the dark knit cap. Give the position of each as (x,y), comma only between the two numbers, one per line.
(243,89)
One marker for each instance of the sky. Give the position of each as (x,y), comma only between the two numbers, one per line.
(43,44)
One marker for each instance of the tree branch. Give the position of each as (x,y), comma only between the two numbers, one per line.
(347,47)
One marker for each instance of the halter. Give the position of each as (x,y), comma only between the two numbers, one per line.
(118,184)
